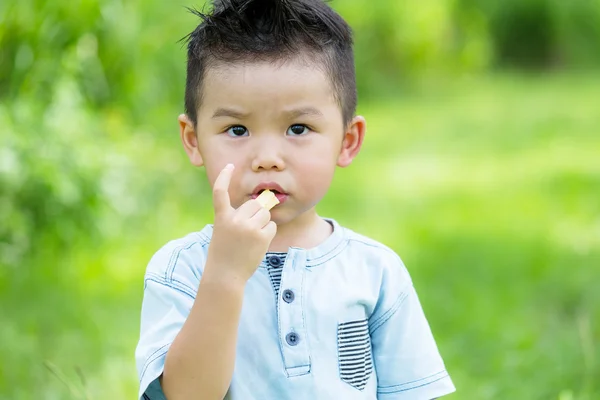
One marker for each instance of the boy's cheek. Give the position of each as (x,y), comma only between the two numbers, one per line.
(315,181)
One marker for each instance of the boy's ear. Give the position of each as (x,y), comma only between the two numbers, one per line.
(190,140)
(353,139)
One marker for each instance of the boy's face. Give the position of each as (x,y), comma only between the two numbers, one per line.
(281,127)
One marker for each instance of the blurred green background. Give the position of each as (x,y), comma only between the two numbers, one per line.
(481,168)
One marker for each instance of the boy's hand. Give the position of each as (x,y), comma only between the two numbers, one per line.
(240,237)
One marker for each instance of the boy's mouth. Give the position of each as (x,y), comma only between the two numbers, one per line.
(282,197)
(273,187)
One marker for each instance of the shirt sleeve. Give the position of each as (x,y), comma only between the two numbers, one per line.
(169,292)
(405,355)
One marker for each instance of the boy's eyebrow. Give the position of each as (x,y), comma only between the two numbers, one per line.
(301,112)
(291,114)
(228,112)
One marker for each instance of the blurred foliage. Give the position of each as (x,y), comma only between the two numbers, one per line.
(493,204)
(540,33)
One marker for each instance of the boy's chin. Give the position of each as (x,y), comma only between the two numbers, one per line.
(281,217)
(284,215)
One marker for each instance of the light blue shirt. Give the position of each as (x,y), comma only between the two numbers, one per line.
(339,321)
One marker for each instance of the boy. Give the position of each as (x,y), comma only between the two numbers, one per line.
(281,304)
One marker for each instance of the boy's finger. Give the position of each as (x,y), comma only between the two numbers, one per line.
(270,229)
(248,209)
(221,201)
(261,218)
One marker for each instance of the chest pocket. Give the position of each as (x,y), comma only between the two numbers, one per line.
(354,353)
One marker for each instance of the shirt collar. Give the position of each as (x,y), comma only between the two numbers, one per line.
(331,247)
(320,254)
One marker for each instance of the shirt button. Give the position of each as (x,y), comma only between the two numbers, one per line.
(292,339)
(288,296)
(274,261)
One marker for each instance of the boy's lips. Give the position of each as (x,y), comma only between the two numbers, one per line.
(273,187)
(282,197)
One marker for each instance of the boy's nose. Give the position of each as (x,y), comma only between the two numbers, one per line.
(267,157)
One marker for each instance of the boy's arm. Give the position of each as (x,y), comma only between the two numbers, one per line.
(202,356)
(405,354)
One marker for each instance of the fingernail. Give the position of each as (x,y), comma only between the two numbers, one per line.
(229,166)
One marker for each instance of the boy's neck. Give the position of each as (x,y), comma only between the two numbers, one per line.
(307,231)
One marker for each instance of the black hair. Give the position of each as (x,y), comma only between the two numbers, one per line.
(271,30)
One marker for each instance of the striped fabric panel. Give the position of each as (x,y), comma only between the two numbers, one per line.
(275,273)
(354,349)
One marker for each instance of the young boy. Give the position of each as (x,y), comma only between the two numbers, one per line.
(279,304)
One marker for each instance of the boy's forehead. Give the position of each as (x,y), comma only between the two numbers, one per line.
(283,81)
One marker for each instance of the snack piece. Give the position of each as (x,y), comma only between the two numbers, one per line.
(267,199)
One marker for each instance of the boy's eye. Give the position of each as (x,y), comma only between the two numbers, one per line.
(297,130)
(237,131)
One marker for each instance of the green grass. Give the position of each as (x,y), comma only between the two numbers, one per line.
(488,189)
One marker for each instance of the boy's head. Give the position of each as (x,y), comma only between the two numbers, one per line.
(239,31)
(271,89)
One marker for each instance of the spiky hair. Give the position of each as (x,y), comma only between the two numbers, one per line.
(272,31)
